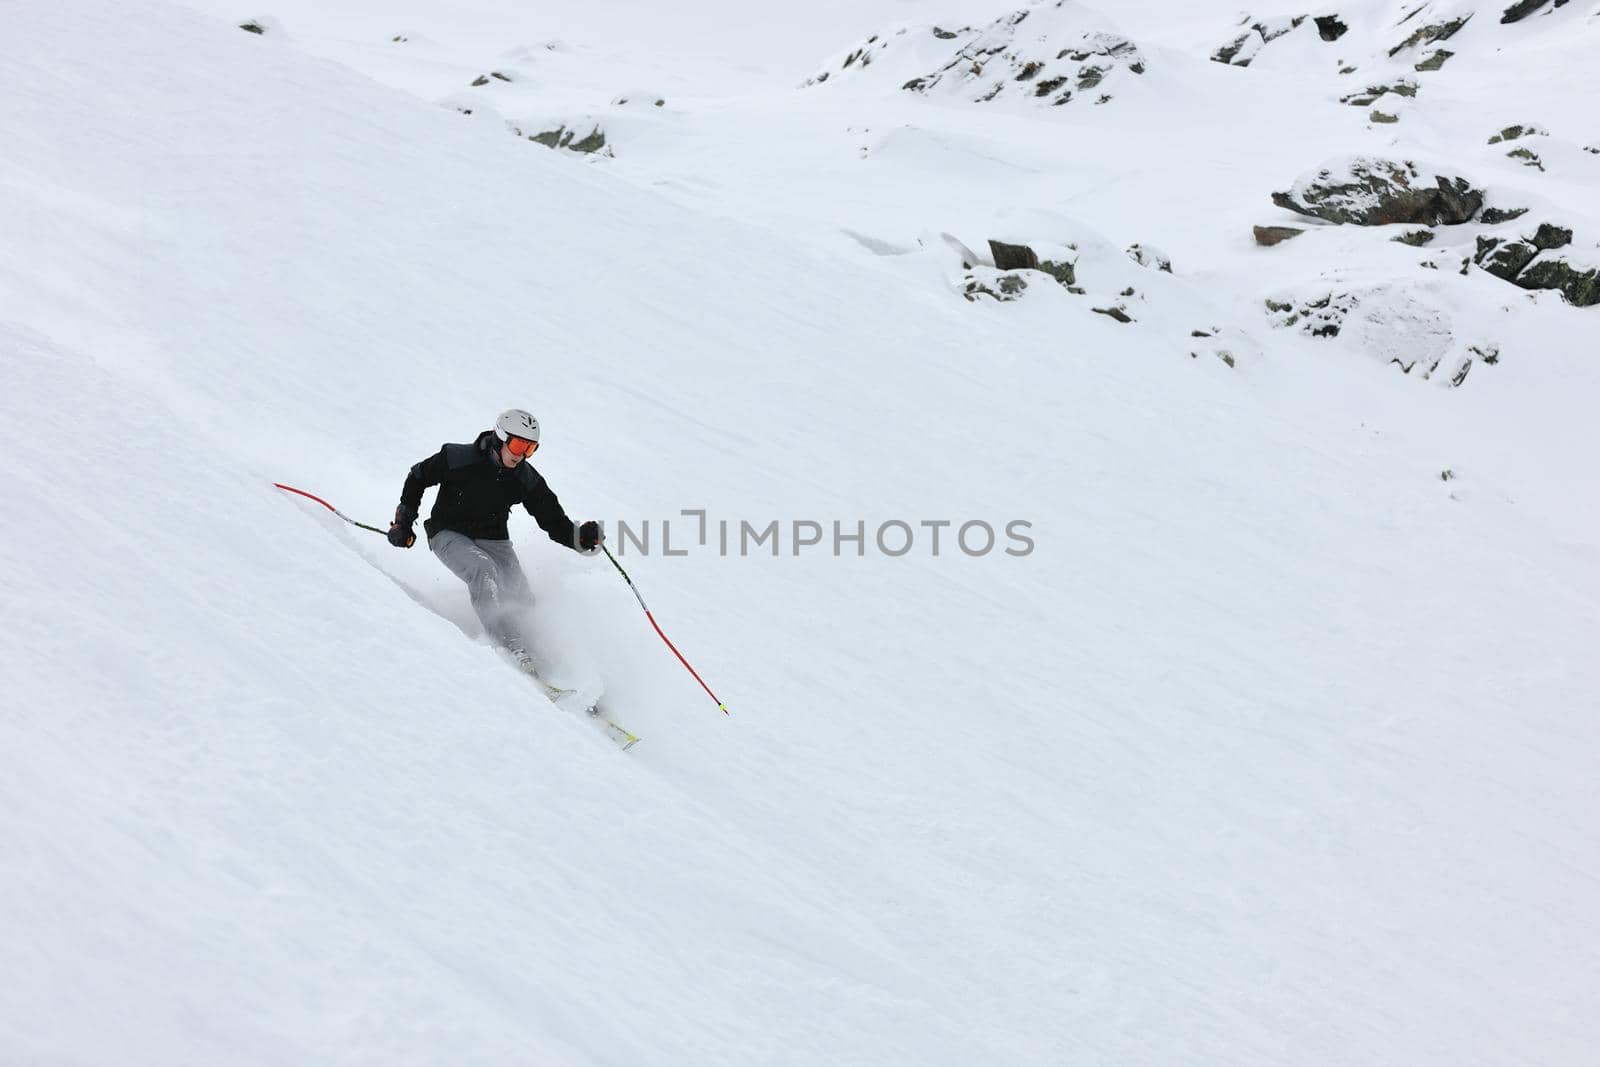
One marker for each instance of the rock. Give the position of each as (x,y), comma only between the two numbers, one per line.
(1115,312)
(482,79)
(1063,272)
(1006,288)
(1490,354)
(1529,157)
(1504,259)
(1383,118)
(1434,61)
(1494,216)
(1330,28)
(592,143)
(1407,322)
(1231,51)
(1320,317)
(1548,236)
(1373,92)
(1240,51)
(1521,10)
(1438,31)
(1013,257)
(1380,192)
(561,137)
(1580,286)
(252,27)
(1272,29)
(1267,236)
(1512,133)
(1147,256)
(1040,53)
(1415,238)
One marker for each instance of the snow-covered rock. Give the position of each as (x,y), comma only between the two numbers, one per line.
(1546,259)
(1366,191)
(1417,327)
(1051,54)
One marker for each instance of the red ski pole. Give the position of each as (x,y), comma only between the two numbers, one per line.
(330,507)
(664,637)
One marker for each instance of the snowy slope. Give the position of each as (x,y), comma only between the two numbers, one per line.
(1276,749)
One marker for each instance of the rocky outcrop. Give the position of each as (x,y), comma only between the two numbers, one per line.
(1381,192)
(1243,48)
(1000,287)
(1504,259)
(1528,156)
(1331,27)
(1431,33)
(1397,322)
(1533,262)
(1579,285)
(1372,93)
(1548,236)
(1522,9)
(1321,316)
(1013,257)
(1059,57)
(563,137)
(1495,215)
(1513,133)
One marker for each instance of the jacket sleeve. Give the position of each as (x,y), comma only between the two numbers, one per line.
(430,471)
(546,510)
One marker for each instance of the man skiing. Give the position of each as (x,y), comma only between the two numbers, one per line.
(478,484)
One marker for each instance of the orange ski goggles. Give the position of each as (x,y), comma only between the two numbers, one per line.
(521,446)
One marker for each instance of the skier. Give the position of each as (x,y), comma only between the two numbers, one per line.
(478,483)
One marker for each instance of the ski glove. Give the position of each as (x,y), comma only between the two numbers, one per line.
(400,533)
(590,537)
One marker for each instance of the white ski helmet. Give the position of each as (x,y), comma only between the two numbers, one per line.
(516,423)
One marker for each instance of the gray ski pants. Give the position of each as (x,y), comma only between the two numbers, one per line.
(495,583)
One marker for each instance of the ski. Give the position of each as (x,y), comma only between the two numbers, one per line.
(616,732)
(555,694)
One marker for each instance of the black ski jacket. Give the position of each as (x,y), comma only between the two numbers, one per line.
(476,492)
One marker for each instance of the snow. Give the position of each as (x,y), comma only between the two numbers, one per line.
(1276,749)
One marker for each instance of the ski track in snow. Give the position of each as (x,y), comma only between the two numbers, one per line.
(1278,749)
